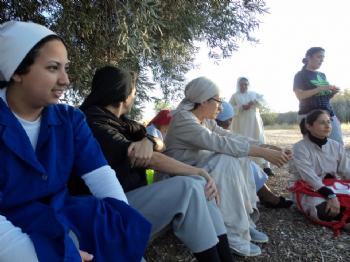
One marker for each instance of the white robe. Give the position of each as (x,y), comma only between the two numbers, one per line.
(217,150)
(312,163)
(248,122)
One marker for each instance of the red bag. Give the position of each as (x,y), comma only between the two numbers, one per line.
(340,187)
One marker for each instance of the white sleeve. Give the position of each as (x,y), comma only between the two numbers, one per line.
(103,182)
(14,244)
(344,164)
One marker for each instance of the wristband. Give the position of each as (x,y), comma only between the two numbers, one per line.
(325,191)
(151,138)
(331,196)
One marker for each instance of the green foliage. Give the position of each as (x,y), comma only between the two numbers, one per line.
(269,118)
(341,105)
(160,104)
(140,35)
(272,118)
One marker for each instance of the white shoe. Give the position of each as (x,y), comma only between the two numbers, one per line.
(257,236)
(250,250)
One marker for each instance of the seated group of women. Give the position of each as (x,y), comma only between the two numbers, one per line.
(108,211)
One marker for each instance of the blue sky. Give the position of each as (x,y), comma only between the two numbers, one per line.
(290,28)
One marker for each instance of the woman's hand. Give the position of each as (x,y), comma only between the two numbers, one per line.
(333,207)
(289,153)
(334,89)
(278,158)
(246,107)
(85,256)
(140,153)
(211,190)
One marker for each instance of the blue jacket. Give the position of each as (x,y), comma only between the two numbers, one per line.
(33,194)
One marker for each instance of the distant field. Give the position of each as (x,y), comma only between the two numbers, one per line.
(289,134)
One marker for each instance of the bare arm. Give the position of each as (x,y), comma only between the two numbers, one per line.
(163,163)
(159,144)
(303,94)
(278,158)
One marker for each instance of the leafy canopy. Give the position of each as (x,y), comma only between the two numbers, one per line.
(152,37)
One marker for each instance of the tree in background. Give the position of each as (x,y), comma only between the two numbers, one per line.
(140,35)
(268,117)
(341,105)
(160,104)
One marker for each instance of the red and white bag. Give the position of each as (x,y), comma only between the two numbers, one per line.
(340,187)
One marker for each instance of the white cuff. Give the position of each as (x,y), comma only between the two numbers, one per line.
(103,182)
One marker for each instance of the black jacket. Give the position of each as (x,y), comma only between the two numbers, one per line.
(114,136)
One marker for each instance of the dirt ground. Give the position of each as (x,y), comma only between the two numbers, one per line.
(292,236)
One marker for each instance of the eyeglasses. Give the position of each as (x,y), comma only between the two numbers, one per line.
(219,101)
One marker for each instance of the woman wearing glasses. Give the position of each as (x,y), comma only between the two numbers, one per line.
(194,137)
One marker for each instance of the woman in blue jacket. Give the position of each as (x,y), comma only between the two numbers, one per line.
(42,144)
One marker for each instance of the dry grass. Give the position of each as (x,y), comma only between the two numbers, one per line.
(292,236)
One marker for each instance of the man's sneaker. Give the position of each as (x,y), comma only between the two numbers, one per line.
(257,236)
(268,171)
(250,250)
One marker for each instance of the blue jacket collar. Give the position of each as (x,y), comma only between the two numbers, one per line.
(14,137)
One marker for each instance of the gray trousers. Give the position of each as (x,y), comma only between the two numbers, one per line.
(180,201)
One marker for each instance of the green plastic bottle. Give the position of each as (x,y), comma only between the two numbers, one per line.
(149,176)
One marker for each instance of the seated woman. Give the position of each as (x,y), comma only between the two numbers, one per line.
(194,137)
(267,198)
(317,158)
(158,126)
(179,201)
(41,145)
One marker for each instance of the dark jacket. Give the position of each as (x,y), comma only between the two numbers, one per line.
(115,135)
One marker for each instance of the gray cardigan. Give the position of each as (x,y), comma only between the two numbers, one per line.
(194,143)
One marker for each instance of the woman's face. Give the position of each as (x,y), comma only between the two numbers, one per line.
(315,61)
(47,78)
(212,107)
(322,127)
(243,86)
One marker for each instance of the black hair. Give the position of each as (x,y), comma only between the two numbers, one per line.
(196,105)
(310,119)
(310,52)
(110,86)
(24,67)
(224,123)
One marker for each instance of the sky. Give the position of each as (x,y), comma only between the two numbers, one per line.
(285,33)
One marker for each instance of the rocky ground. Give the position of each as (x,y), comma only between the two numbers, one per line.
(292,237)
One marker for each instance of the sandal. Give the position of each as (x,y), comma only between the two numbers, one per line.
(283,203)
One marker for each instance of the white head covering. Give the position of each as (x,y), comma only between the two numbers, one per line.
(197,91)
(16,40)
(239,80)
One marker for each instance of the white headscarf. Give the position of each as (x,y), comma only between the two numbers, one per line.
(197,91)
(16,40)
(238,87)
